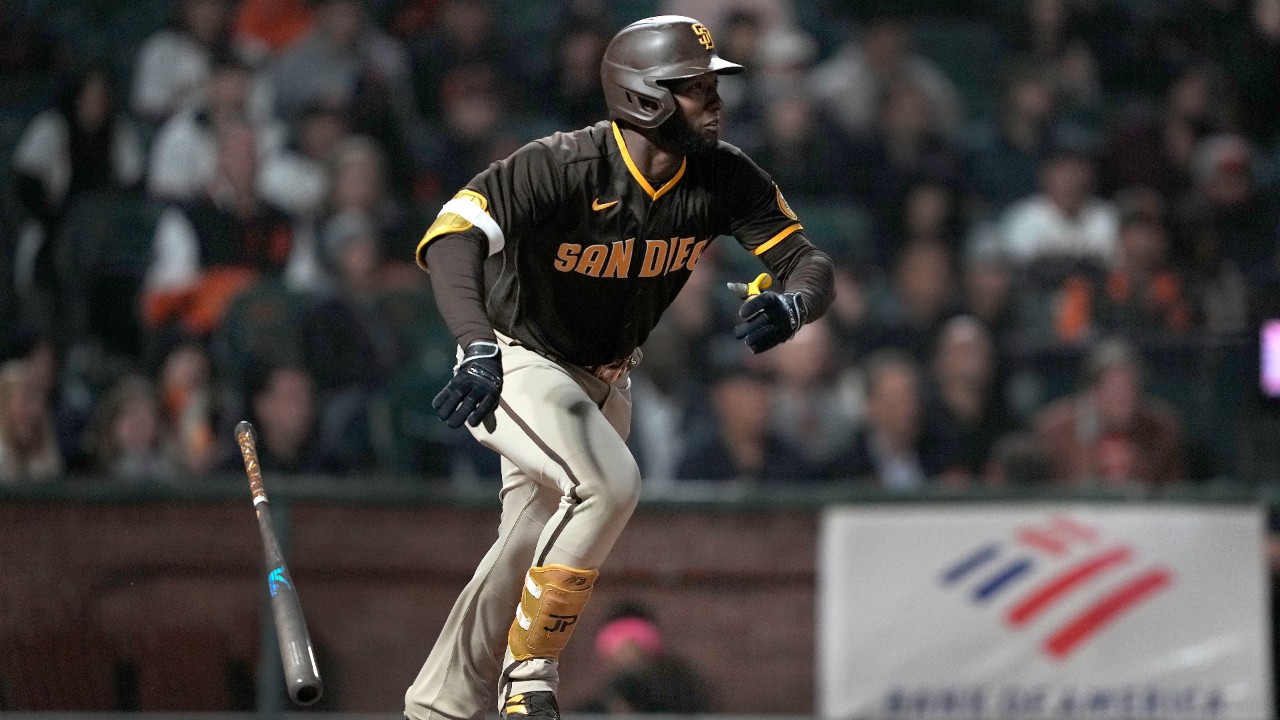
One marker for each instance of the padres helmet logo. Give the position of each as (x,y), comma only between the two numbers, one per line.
(704,35)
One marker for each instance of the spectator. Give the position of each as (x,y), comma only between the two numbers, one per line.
(715,13)
(1017,459)
(474,107)
(184,157)
(331,64)
(811,411)
(782,63)
(1248,221)
(463,36)
(849,316)
(1065,220)
(800,151)
(1049,34)
(358,183)
(68,395)
(967,390)
(1110,433)
(351,346)
(28,444)
(297,179)
(736,442)
(190,405)
(898,448)
(988,282)
(130,439)
(1155,148)
(1142,293)
(264,28)
(83,144)
(905,148)
(575,91)
(851,83)
(743,110)
(174,63)
(675,356)
(210,250)
(665,685)
(924,296)
(928,211)
(642,674)
(347,62)
(1005,154)
(282,409)
(1216,282)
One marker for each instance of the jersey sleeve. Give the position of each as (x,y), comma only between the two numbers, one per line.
(759,216)
(503,201)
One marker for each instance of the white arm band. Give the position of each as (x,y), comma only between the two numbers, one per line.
(472,213)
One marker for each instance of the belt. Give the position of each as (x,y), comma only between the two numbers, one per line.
(614,371)
(609,373)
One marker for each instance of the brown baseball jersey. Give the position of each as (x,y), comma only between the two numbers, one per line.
(585,254)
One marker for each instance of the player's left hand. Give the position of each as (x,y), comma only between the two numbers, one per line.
(472,393)
(770,318)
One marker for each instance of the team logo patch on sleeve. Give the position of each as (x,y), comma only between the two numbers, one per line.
(783,206)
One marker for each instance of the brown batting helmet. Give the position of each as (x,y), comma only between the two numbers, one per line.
(649,52)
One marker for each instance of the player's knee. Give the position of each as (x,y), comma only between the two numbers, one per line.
(617,491)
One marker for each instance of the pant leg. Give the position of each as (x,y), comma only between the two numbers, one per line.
(570,484)
(566,429)
(459,678)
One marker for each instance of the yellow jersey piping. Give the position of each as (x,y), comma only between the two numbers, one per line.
(635,172)
(786,232)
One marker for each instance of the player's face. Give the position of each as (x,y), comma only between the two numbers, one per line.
(695,126)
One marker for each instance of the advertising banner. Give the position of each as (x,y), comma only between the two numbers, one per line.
(1100,612)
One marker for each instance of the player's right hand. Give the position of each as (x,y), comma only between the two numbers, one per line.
(473,392)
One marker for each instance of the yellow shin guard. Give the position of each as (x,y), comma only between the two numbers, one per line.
(553,597)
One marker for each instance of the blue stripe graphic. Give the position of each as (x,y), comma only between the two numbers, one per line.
(1010,573)
(969,564)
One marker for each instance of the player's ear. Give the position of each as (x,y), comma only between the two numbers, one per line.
(648,105)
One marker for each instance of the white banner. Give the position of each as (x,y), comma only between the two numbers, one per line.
(1088,612)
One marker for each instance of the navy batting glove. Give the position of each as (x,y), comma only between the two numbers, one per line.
(472,394)
(769,319)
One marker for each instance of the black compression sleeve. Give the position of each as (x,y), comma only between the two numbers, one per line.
(805,269)
(457,282)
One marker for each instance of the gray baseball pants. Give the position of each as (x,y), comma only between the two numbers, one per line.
(569,485)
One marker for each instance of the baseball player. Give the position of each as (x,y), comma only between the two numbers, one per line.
(550,268)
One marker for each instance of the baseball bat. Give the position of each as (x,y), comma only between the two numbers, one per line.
(301,675)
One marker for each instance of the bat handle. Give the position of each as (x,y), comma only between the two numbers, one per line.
(248,443)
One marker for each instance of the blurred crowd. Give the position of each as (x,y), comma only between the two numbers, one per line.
(1052,221)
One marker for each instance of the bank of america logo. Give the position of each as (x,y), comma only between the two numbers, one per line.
(1044,565)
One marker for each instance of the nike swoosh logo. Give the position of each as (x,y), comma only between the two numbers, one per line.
(598,206)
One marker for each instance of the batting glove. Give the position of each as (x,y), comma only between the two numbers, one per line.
(472,394)
(770,319)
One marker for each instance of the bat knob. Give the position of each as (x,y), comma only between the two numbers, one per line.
(762,282)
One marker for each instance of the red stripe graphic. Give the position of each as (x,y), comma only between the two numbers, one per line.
(1041,540)
(1073,528)
(1105,611)
(1047,594)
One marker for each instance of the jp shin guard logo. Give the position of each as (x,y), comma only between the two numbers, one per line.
(1058,564)
(561,623)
